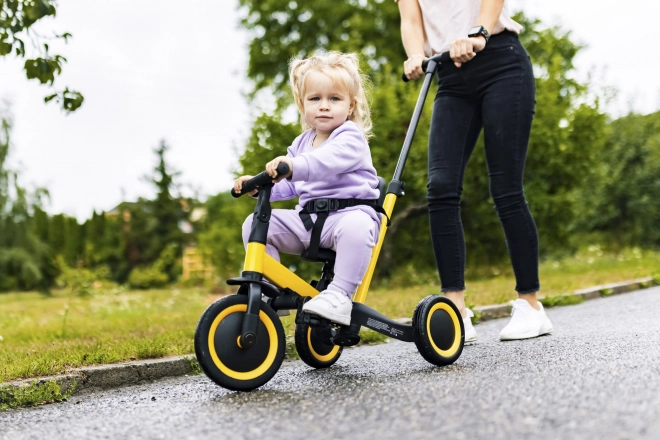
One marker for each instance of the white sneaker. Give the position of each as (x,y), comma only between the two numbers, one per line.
(470,332)
(332,305)
(526,322)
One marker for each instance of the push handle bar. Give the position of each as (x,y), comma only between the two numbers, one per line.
(260,179)
(439,59)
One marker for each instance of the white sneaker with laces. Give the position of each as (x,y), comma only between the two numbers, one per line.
(470,332)
(332,305)
(526,322)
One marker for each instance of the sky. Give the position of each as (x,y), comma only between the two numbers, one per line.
(152,70)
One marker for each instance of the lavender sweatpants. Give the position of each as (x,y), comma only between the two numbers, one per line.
(351,233)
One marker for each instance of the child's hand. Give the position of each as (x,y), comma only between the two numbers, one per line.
(271,168)
(238,185)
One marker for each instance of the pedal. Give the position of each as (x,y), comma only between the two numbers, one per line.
(312,320)
(345,337)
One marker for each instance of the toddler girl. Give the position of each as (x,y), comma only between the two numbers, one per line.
(329,160)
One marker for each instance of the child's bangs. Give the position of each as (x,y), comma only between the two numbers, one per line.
(341,79)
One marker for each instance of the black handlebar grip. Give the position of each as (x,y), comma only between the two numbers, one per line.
(440,58)
(260,179)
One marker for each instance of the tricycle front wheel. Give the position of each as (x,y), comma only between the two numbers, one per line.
(220,353)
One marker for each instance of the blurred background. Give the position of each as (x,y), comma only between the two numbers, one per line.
(156,107)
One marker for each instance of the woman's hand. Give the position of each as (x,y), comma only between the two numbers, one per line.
(412,67)
(466,48)
(238,185)
(271,168)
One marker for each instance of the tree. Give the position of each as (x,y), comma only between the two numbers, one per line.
(624,196)
(284,29)
(17,20)
(25,259)
(152,226)
(165,208)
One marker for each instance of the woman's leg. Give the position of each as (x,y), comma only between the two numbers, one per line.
(455,127)
(508,110)
(508,96)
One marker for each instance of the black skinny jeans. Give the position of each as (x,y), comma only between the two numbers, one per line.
(495,90)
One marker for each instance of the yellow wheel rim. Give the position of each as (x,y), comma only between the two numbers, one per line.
(457,327)
(322,358)
(272,350)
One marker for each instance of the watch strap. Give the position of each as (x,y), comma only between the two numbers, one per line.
(480,32)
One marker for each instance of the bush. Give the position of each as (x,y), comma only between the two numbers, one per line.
(147,278)
(79,280)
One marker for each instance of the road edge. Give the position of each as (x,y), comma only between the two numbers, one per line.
(84,380)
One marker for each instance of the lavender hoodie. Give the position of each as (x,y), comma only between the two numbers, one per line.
(339,168)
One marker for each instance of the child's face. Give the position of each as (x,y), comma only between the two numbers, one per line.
(326,106)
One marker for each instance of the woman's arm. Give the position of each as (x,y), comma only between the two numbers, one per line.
(489,13)
(413,37)
(466,48)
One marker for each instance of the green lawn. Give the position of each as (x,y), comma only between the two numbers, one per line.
(44,335)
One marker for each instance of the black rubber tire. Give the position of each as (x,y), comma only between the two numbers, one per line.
(238,369)
(320,354)
(438,330)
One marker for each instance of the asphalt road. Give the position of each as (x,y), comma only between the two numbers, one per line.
(597,376)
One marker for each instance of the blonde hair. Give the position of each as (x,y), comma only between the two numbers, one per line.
(344,71)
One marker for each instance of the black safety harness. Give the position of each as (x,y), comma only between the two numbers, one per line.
(322,208)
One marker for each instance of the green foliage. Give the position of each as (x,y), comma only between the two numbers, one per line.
(606,291)
(150,228)
(290,350)
(16,20)
(623,197)
(194,365)
(105,244)
(561,300)
(368,336)
(146,278)
(79,280)
(656,279)
(283,29)
(165,209)
(33,394)
(221,232)
(158,274)
(25,259)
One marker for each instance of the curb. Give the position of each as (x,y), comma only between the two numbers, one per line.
(88,379)
(495,311)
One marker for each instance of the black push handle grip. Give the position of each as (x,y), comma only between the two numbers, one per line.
(260,179)
(440,58)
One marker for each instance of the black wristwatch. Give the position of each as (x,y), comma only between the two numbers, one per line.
(479,31)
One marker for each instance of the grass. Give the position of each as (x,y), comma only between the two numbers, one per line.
(46,335)
(590,267)
(33,394)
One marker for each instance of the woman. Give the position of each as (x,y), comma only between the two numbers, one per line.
(489,85)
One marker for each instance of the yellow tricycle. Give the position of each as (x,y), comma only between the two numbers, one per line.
(240,341)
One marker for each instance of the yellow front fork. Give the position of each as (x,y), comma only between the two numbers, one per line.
(361,294)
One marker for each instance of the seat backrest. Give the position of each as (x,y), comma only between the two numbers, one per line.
(381,188)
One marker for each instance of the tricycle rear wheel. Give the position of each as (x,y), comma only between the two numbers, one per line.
(314,348)
(438,330)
